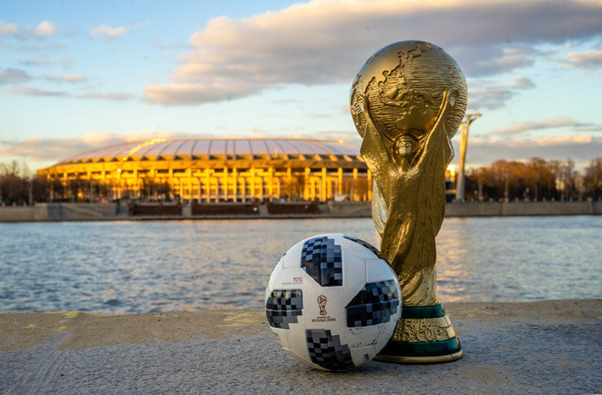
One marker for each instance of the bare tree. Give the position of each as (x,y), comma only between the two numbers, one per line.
(592,180)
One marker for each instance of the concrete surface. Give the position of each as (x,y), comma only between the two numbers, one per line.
(552,347)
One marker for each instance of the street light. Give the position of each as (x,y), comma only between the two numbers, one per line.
(461,176)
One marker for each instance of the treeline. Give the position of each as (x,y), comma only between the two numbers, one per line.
(535,179)
(18,185)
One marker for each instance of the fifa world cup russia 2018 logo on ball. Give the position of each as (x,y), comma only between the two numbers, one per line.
(322,304)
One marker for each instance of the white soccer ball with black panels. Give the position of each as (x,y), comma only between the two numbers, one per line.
(333,302)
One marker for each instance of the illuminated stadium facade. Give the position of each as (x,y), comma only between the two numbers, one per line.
(214,170)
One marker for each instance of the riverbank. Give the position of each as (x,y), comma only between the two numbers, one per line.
(111,212)
(550,347)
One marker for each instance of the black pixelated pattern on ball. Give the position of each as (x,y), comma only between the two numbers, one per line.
(322,259)
(369,246)
(283,307)
(326,350)
(373,305)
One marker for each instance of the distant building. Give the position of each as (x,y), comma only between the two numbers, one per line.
(214,170)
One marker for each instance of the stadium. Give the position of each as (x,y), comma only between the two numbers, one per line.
(214,170)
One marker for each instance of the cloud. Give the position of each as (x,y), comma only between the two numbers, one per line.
(525,127)
(113,33)
(326,41)
(497,59)
(72,78)
(581,148)
(43,30)
(40,61)
(7,28)
(28,91)
(13,76)
(56,149)
(349,138)
(523,83)
(585,60)
(36,61)
(185,94)
(107,96)
(35,92)
(491,97)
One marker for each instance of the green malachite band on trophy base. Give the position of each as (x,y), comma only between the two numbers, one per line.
(422,312)
(423,322)
(423,349)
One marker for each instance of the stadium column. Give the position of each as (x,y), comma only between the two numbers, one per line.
(340,181)
(90,197)
(170,180)
(51,179)
(306,184)
(152,190)
(244,189)
(136,182)
(181,188)
(207,186)
(355,184)
(323,193)
(65,185)
(271,184)
(119,181)
(200,196)
(225,186)
(252,194)
(279,188)
(235,184)
(288,185)
(189,195)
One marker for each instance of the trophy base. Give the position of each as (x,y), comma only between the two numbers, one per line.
(424,335)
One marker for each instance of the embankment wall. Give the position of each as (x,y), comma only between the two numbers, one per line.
(509,209)
(99,211)
(62,212)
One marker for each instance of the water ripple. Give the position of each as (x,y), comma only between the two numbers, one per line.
(157,266)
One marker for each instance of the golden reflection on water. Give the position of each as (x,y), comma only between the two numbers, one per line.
(453,271)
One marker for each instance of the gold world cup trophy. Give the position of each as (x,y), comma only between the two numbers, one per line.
(407,102)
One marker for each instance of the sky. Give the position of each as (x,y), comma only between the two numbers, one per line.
(78,75)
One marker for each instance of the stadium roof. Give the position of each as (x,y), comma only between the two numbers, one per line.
(209,149)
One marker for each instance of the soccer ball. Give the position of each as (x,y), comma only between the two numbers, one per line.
(333,302)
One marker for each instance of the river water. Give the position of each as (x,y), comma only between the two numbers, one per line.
(153,266)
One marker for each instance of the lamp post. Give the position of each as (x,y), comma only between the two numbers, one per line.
(461,177)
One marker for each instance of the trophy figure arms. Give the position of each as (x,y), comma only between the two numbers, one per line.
(406,220)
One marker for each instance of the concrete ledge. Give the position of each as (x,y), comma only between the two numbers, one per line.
(550,347)
(521,208)
(110,212)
